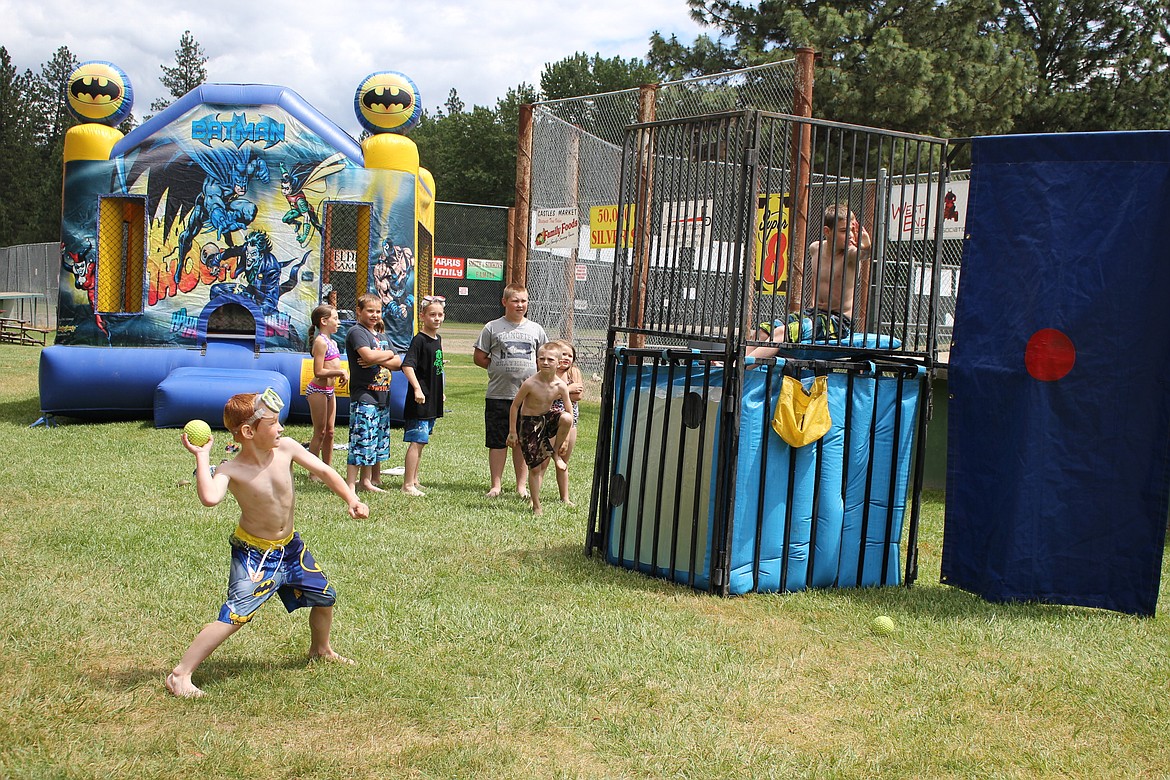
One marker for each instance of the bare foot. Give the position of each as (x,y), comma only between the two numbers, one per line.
(523,493)
(567,502)
(536,510)
(493,493)
(330,656)
(412,490)
(182,687)
(370,486)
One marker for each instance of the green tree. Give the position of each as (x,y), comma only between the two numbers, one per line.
(18,156)
(1099,64)
(45,101)
(580,74)
(188,72)
(956,67)
(672,60)
(471,153)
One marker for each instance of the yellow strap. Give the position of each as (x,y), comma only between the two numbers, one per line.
(258,543)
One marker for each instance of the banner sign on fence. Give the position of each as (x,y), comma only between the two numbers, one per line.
(581,272)
(557,228)
(485,270)
(770,266)
(603,227)
(909,209)
(449,267)
(683,224)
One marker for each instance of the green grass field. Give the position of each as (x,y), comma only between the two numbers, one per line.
(489,646)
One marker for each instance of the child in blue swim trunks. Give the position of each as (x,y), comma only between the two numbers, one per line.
(268,556)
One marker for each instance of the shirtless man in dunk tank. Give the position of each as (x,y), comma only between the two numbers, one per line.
(837,267)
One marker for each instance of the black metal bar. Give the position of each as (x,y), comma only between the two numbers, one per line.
(680,456)
(760,494)
(628,444)
(895,456)
(696,508)
(645,460)
(925,401)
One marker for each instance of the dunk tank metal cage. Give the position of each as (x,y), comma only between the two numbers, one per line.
(693,480)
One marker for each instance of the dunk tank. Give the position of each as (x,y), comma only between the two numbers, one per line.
(762,430)
(195,248)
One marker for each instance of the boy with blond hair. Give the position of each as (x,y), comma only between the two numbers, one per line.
(268,555)
(534,427)
(506,347)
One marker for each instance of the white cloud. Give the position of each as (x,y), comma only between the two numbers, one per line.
(323,50)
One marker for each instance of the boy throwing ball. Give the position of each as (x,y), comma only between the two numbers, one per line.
(532,423)
(268,555)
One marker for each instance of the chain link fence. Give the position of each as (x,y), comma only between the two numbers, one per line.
(471,244)
(576,164)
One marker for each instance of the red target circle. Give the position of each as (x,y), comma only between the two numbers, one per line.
(1050,355)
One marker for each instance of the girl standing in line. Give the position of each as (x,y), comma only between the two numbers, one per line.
(568,371)
(327,371)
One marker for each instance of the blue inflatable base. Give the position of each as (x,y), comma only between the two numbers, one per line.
(190,393)
(119,383)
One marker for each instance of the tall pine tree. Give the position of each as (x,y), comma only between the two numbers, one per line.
(188,72)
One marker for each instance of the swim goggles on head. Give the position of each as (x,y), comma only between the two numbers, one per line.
(427,300)
(269,400)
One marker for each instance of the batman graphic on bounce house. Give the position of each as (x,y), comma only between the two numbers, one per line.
(204,238)
(219,225)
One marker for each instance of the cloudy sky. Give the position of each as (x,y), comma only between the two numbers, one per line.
(323,50)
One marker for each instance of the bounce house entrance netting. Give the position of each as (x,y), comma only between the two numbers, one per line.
(705,474)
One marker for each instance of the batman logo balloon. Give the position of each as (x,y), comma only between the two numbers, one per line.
(99,91)
(387,101)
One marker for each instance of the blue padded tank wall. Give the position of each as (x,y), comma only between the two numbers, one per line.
(665,448)
(665,433)
(855,538)
(103,383)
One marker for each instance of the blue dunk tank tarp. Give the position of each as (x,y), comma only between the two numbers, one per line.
(1059,411)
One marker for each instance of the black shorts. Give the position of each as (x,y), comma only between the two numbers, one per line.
(495,422)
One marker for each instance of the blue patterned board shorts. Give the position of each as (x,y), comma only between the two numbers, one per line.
(418,431)
(369,434)
(260,568)
(811,326)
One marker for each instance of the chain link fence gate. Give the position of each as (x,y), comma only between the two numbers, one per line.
(576,164)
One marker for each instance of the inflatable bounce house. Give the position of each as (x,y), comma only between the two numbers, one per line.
(195,248)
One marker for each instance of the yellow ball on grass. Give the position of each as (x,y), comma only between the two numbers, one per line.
(882,625)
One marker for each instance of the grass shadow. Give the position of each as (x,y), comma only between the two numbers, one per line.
(23,412)
(210,672)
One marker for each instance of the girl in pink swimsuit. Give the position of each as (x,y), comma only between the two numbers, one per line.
(327,371)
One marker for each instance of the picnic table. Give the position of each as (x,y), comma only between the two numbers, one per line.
(14,331)
(12,300)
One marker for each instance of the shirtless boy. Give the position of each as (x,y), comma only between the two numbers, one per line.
(839,266)
(268,555)
(532,423)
